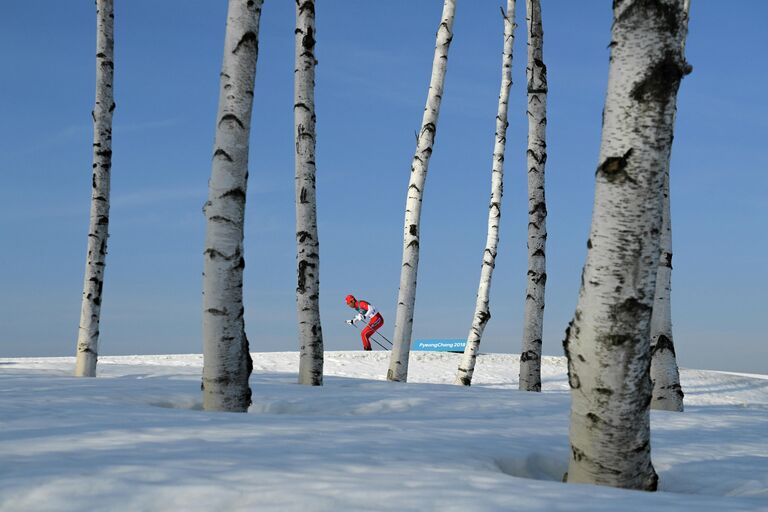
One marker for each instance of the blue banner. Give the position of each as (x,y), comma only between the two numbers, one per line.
(439,345)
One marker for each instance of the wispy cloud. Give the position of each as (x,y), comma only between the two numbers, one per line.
(84,133)
(144,125)
(157,195)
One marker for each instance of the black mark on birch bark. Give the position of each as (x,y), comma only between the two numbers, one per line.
(661,82)
(220,152)
(302,277)
(307,6)
(232,118)
(663,343)
(249,38)
(661,12)
(308,41)
(237,194)
(614,167)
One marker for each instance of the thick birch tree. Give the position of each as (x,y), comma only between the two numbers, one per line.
(482,303)
(608,341)
(98,230)
(406,297)
(227,362)
(536,74)
(307,244)
(665,376)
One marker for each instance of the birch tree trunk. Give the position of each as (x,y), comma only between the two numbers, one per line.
(482,304)
(406,297)
(98,230)
(536,72)
(608,341)
(307,244)
(227,362)
(667,393)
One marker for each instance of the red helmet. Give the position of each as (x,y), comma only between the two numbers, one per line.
(350,299)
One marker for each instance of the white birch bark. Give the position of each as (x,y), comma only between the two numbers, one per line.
(307,244)
(406,299)
(482,303)
(227,362)
(667,393)
(608,340)
(98,230)
(536,73)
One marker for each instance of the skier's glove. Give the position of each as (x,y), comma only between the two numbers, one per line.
(350,322)
(358,318)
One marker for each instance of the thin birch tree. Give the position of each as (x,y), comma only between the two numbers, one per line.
(667,393)
(227,362)
(608,341)
(665,377)
(98,230)
(406,297)
(536,73)
(482,303)
(307,244)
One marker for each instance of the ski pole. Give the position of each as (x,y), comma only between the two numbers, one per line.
(385,338)
(379,344)
(376,342)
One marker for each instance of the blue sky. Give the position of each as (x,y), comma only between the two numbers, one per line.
(374,66)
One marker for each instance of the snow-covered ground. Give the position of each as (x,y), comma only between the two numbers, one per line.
(136,439)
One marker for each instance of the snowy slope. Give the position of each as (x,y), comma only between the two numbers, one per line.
(136,439)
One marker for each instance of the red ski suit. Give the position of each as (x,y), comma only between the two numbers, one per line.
(366,311)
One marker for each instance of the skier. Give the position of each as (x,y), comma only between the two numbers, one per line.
(365,311)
